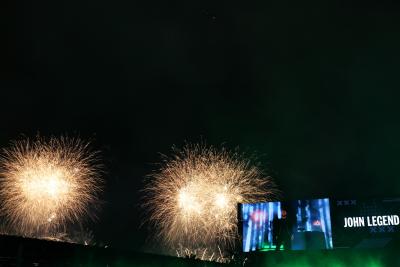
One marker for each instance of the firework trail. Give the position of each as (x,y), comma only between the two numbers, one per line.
(47,183)
(192,199)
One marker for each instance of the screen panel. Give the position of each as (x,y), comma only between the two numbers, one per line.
(366,223)
(294,225)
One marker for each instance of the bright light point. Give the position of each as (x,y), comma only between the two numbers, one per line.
(52,217)
(45,187)
(221,201)
(188,202)
(185,201)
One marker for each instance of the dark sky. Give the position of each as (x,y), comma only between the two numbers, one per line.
(312,87)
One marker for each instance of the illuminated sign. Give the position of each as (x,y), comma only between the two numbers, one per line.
(384,220)
(320,224)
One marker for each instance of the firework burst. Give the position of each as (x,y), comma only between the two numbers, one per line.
(192,199)
(47,183)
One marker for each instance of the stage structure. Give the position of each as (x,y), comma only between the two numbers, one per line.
(319,224)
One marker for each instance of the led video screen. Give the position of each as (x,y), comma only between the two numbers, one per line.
(366,223)
(294,225)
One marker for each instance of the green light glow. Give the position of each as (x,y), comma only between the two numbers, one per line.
(321,259)
(268,247)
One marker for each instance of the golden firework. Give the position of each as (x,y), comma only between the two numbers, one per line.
(46,183)
(192,199)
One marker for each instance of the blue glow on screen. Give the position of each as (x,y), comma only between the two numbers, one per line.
(309,227)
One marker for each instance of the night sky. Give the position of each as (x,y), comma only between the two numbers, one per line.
(311,87)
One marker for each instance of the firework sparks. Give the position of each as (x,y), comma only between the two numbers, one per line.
(47,183)
(192,199)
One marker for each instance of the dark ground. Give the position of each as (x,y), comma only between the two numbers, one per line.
(21,252)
